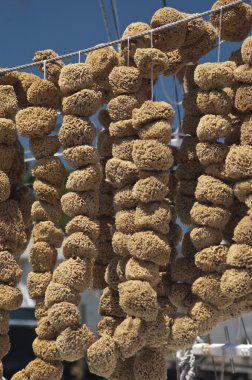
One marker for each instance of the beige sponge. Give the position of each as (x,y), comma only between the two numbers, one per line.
(102,356)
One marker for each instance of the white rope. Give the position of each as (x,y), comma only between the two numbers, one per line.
(115,42)
(44,69)
(219,45)
(128,52)
(152,74)
(79,57)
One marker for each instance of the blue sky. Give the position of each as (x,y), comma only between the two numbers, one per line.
(65,26)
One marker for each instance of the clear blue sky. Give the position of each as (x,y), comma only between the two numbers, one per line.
(65,26)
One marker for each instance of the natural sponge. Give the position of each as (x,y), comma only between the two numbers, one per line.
(212,259)
(246,51)
(46,231)
(8,102)
(211,216)
(10,298)
(44,146)
(76,131)
(125,80)
(35,121)
(43,370)
(239,162)
(142,270)
(82,103)
(150,365)
(79,245)
(73,342)
(240,255)
(151,155)
(63,315)
(243,231)
(137,298)
(149,246)
(152,111)
(85,179)
(212,190)
(56,293)
(102,356)
(236,283)
(50,170)
(75,77)
(130,336)
(43,93)
(4,187)
(150,61)
(212,127)
(170,38)
(243,98)
(8,131)
(121,173)
(10,270)
(209,76)
(75,273)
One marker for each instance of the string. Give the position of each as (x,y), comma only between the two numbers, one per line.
(115,42)
(128,52)
(44,69)
(152,79)
(219,45)
(79,59)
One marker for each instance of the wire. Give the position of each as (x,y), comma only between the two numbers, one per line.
(105,20)
(111,43)
(220,27)
(115,18)
(178,105)
(164,3)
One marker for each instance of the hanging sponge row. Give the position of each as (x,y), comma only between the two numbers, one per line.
(14,213)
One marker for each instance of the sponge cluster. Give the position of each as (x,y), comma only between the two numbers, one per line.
(14,214)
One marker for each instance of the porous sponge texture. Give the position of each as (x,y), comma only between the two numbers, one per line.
(75,77)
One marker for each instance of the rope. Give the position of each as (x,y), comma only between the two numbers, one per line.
(219,45)
(111,43)
(115,18)
(105,20)
(152,74)
(187,363)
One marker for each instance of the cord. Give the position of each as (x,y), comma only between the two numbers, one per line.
(105,20)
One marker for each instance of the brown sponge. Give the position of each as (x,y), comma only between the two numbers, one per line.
(150,189)
(50,170)
(150,365)
(75,77)
(102,62)
(34,122)
(190,123)
(212,127)
(44,146)
(56,293)
(123,370)
(76,131)
(210,189)
(129,336)
(142,270)
(236,283)
(246,51)
(122,128)
(243,98)
(104,144)
(184,270)
(212,259)
(124,198)
(63,315)
(82,155)
(9,104)
(43,370)
(46,349)
(10,298)
(46,192)
(157,333)
(209,153)
(109,304)
(208,288)
(37,283)
(82,103)
(122,148)
(73,342)
(203,237)
(134,43)
(243,74)
(150,61)
(150,247)
(246,131)
(20,375)
(125,80)
(121,107)
(4,187)
(43,93)
(158,130)
(240,255)
(46,231)
(121,173)
(10,270)
(85,179)
(243,231)
(42,257)
(120,244)
(210,76)
(151,155)
(138,299)
(102,356)
(152,111)
(170,38)
(8,133)
(154,216)
(107,326)
(204,316)
(79,245)
(75,273)
(42,211)
(238,161)
(183,332)
(211,216)
(83,203)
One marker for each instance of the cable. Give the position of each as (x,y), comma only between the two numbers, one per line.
(115,18)
(178,105)
(164,3)
(105,20)
(111,43)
